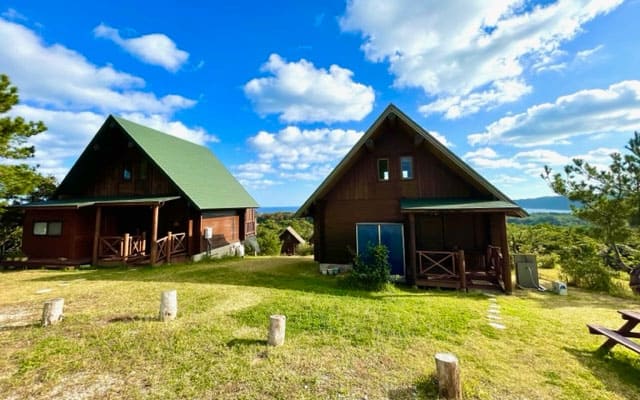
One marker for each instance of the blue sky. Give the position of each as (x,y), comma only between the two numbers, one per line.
(280,91)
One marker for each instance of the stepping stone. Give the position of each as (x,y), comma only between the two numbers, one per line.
(497,325)
(494,307)
(494,311)
(64,284)
(494,317)
(42,291)
(493,299)
(489,294)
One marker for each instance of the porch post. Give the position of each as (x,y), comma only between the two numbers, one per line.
(154,234)
(462,270)
(190,237)
(169,246)
(96,236)
(506,260)
(412,249)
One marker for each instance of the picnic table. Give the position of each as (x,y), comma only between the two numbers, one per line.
(621,335)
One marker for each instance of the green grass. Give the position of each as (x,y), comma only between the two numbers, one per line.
(340,343)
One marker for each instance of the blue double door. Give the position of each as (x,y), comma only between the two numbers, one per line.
(389,234)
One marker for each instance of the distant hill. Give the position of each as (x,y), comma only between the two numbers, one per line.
(545,203)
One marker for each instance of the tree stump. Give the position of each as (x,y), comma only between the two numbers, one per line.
(52,312)
(448,373)
(277,325)
(168,305)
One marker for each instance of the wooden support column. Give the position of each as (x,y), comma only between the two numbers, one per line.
(190,237)
(504,243)
(126,244)
(96,236)
(462,270)
(412,249)
(154,234)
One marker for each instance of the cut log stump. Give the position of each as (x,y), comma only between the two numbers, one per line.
(448,373)
(277,325)
(52,311)
(168,305)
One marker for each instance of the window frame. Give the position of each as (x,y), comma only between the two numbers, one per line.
(47,228)
(380,175)
(411,174)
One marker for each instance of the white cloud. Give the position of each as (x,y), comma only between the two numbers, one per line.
(300,92)
(294,154)
(485,152)
(587,112)
(463,50)
(13,14)
(586,54)
(454,107)
(71,82)
(155,49)
(441,138)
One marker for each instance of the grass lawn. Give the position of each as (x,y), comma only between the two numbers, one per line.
(340,344)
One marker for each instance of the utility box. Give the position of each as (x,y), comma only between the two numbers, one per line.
(560,288)
(526,271)
(208,232)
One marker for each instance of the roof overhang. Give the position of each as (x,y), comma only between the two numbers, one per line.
(88,202)
(439,206)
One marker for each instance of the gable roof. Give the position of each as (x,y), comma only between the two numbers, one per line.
(293,233)
(192,168)
(465,170)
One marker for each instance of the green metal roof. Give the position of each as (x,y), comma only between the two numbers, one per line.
(194,169)
(100,201)
(466,205)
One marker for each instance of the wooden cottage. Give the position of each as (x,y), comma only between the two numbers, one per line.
(137,194)
(443,223)
(290,241)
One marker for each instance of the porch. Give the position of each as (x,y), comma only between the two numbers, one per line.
(461,270)
(459,243)
(133,249)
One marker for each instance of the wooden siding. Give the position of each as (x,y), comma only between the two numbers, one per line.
(358,196)
(225,230)
(101,174)
(75,241)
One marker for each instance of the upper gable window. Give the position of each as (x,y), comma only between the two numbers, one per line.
(406,167)
(127,172)
(383,169)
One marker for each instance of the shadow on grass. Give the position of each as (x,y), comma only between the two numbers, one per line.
(130,318)
(239,342)
(17,327)
(611,368)
(425,388)
(285,273)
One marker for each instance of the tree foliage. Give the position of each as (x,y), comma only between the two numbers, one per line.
(271,225)
(18,180)
(609,198)
(372,270)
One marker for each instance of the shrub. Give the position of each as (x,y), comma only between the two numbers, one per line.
(548,260)
(583,266)
(372,269)
(269,242)
(305,249)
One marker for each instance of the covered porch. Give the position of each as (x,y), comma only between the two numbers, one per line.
(458,243)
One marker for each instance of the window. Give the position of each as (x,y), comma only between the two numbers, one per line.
(406,167)
(126,172)
(142,170)
(383,169)
(44,228)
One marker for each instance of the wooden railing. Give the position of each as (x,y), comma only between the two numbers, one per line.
(171,245)
(442,265)
(121,247)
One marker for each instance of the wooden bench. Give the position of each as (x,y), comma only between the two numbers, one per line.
(620,336)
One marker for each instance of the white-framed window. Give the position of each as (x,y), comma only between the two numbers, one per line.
(406,167)
(383,169)
(47,228)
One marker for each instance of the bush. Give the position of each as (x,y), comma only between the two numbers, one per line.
(305,249)
(548,261)
(372,270)
(583,266)
(269,242)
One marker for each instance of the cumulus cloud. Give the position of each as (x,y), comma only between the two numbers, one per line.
(295,154)
(441,138)
(466,53)
(300,92)
(586,112)
(70,81)
(155,49)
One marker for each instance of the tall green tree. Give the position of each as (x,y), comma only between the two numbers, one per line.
(609,198)
(18,180)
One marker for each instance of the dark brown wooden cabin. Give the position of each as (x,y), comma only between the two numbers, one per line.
(290,241)
(139,195)
(443,223)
